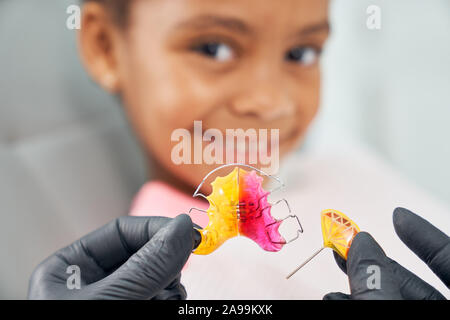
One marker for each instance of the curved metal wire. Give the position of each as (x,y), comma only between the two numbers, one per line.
(299,231)
(197,193)
(238,206)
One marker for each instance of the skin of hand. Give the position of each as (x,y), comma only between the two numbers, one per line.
(396,283)
(129,258)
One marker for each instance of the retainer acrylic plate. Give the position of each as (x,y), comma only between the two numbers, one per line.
(239,206)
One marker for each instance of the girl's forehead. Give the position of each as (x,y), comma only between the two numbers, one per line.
(238,14)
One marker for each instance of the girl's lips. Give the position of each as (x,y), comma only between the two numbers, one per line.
(282,138)
(241,148)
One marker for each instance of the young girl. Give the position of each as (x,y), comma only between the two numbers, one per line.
(229,64)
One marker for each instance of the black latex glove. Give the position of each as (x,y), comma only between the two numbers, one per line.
(426,241)
(129,258)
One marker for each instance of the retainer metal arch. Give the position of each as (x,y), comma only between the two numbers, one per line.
(198,194)
(281,186)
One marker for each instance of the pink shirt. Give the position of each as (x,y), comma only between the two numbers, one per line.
(157,198)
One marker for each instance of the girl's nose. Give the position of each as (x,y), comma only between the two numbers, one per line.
(264,100)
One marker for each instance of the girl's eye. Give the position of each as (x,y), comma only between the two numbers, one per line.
(214,50)
(303,55)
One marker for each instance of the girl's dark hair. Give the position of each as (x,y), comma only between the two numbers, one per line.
(118,9)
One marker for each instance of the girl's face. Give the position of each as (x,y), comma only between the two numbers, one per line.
(229,63)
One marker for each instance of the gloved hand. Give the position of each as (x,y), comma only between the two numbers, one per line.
(129,258)
(396,282)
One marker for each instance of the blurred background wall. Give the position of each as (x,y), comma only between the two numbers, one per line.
(390,88)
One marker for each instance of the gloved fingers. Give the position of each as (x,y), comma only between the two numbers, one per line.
(373,275)
(369,271)
(105,249)
(47,278)
(336,296)
(174,291)
(342,264)
(428,242)
(411,286)
(155,265)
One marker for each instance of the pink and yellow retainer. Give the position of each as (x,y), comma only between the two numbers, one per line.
(239,206)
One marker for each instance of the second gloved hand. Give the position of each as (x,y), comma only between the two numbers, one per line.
(396,282)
